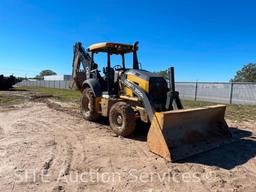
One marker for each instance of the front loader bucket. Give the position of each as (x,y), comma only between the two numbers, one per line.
(175,135)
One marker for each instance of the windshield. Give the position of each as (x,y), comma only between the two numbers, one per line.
(115,59)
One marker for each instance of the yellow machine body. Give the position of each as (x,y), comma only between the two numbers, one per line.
(142,83)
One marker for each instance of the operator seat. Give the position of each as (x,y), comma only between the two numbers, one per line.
(113,84)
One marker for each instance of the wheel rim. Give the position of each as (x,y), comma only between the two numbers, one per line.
(85,104)
(118,119)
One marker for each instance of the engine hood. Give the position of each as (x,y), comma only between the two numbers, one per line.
(146,75)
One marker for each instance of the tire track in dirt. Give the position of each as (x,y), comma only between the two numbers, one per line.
(1,133)
(68,154)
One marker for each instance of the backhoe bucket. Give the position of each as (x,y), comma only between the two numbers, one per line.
(175,135)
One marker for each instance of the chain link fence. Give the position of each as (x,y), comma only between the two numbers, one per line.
(228,93)
(58,84)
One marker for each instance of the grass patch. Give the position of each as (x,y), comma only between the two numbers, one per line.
(61,94)
(233,112)
(6,100)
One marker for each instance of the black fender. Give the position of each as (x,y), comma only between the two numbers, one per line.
(94,84)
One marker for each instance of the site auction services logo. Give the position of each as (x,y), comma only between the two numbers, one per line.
(133,175)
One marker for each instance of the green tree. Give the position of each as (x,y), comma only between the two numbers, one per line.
(43,73)
(47,72)
(164,74)
(38,77)
(246,74)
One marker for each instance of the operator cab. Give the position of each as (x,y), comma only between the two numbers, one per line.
(111,73)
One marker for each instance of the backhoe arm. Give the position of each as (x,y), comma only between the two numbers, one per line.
(80,56)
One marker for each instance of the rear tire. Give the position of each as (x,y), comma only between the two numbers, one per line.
(122,119)
(88,105)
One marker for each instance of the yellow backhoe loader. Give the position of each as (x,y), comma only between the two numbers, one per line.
(125,94)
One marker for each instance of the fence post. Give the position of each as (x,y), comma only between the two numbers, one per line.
(196,91)
(231,93)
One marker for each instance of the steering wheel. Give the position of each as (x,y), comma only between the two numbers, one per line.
(117,67)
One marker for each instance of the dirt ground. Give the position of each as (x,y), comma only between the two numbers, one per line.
(45,147)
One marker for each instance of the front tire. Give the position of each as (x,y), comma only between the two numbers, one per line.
(88,105)
(122,119)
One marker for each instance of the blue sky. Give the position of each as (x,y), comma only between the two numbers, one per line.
(204,40)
